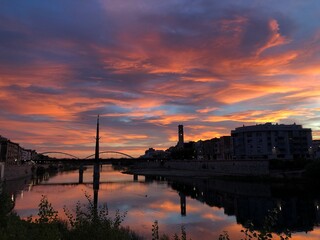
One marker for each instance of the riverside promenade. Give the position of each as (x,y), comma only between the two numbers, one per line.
(203,168)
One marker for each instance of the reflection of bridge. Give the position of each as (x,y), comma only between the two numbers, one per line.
(89,183)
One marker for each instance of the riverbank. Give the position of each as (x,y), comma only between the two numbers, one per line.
(209,168)
(296,170)
(164,172)
(273,176)
(15,172)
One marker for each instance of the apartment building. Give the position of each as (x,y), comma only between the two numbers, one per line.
(12,153)
(271,141)
(214,149)
(316,149)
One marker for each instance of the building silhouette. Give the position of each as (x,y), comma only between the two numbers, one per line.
(272,141)
(253,202)
(12,153)
(180,137)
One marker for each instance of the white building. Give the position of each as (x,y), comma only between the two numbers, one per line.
(272,141)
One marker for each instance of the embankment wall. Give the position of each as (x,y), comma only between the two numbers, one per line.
(12,172)
(1,171)
(232,168)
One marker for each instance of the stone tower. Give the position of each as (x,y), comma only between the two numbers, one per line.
(180,136)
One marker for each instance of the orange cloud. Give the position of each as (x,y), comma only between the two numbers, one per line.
(213,216)
(241,92)
(261,116)
(275,39)
(207,110)
(164,120)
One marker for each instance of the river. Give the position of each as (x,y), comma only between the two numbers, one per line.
(205,207)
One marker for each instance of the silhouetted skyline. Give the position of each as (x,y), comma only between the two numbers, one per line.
(148,66)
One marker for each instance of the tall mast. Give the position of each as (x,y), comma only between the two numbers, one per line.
(96,171)
(97,142)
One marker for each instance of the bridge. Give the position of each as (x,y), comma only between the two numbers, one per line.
(91,159)
(90,156)
(96,162)
(122,158)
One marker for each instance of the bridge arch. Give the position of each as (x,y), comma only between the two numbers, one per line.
(120,153)
(67,154)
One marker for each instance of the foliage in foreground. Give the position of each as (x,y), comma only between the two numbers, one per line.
(157,236)
(86,223)
(89,222)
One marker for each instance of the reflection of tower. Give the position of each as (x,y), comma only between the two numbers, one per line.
(183,204)
(180,136)
(135,177)
(81,173)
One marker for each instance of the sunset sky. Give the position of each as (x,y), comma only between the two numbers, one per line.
(147,66)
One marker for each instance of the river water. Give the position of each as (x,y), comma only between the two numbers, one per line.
(205,207)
